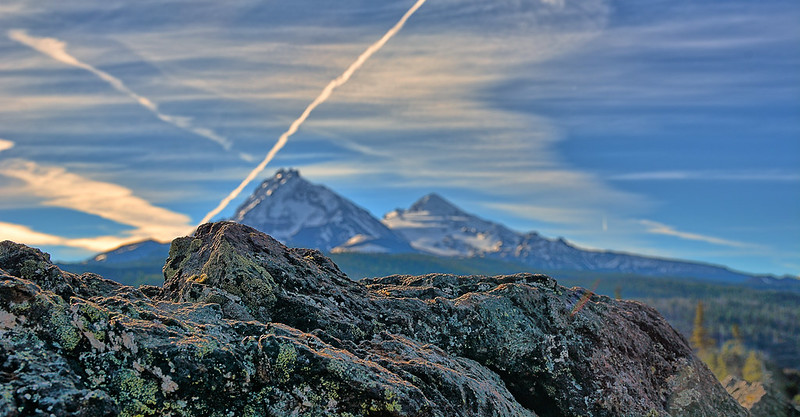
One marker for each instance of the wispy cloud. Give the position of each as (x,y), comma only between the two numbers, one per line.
(543,213)
(59,188)
(23,234)
(5,145)
(321,98)
(555,3)
(708,176)
(663,229)
(57,50)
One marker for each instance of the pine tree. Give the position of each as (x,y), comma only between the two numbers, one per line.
(700,339)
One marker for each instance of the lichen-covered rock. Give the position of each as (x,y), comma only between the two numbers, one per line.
(246,326)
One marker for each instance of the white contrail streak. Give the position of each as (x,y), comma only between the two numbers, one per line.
(323,96)
(57,50)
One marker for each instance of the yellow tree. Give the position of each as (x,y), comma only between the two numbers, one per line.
(700,340)
(753,369)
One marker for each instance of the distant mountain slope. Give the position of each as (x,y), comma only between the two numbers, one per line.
(134,252)
(301,214)
(132,264)
(436,226)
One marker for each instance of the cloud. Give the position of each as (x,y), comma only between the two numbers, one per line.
(542,213)
(10,9)
(23,234)
(555,3)
(56,49)
(662,229)
(5,145)
(60,188)
(777,176)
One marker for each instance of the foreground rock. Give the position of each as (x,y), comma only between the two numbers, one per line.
(245,326)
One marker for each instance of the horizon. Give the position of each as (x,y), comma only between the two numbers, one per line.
(467,211)
(668,130)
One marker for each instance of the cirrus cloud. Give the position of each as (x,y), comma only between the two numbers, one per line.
(6,145)
(663,229)
(20,233)
(59,188)
(57,50)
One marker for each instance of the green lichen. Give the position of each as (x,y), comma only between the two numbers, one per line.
(64,330)
(204,347)
(32,269)
(391,400)
(20,308)
(138,396)
(357,333)
(93,312)
(241,276)
(179,253)
(94,320)
(336,368)
(284,365)
(330,389)
(389,403)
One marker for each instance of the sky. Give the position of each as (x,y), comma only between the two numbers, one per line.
(664,128)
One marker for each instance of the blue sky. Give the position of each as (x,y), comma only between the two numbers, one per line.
(668,128)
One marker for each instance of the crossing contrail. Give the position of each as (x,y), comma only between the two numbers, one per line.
(57,50)
(323,96)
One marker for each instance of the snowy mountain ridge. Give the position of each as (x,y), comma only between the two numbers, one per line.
(436,226)
(302,214)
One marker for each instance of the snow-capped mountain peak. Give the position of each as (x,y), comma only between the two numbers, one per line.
(302,214)
(435,225)
(434,204)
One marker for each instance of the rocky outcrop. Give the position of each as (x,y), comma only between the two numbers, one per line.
(246,326)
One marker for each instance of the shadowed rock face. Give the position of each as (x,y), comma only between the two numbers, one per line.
(244,325)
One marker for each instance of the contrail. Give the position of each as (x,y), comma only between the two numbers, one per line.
(323,96)
(57,50)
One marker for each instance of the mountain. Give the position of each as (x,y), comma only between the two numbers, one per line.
(134,252)
(435,225)
(301,214)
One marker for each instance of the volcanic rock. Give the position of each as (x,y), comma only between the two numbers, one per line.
(245,326)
